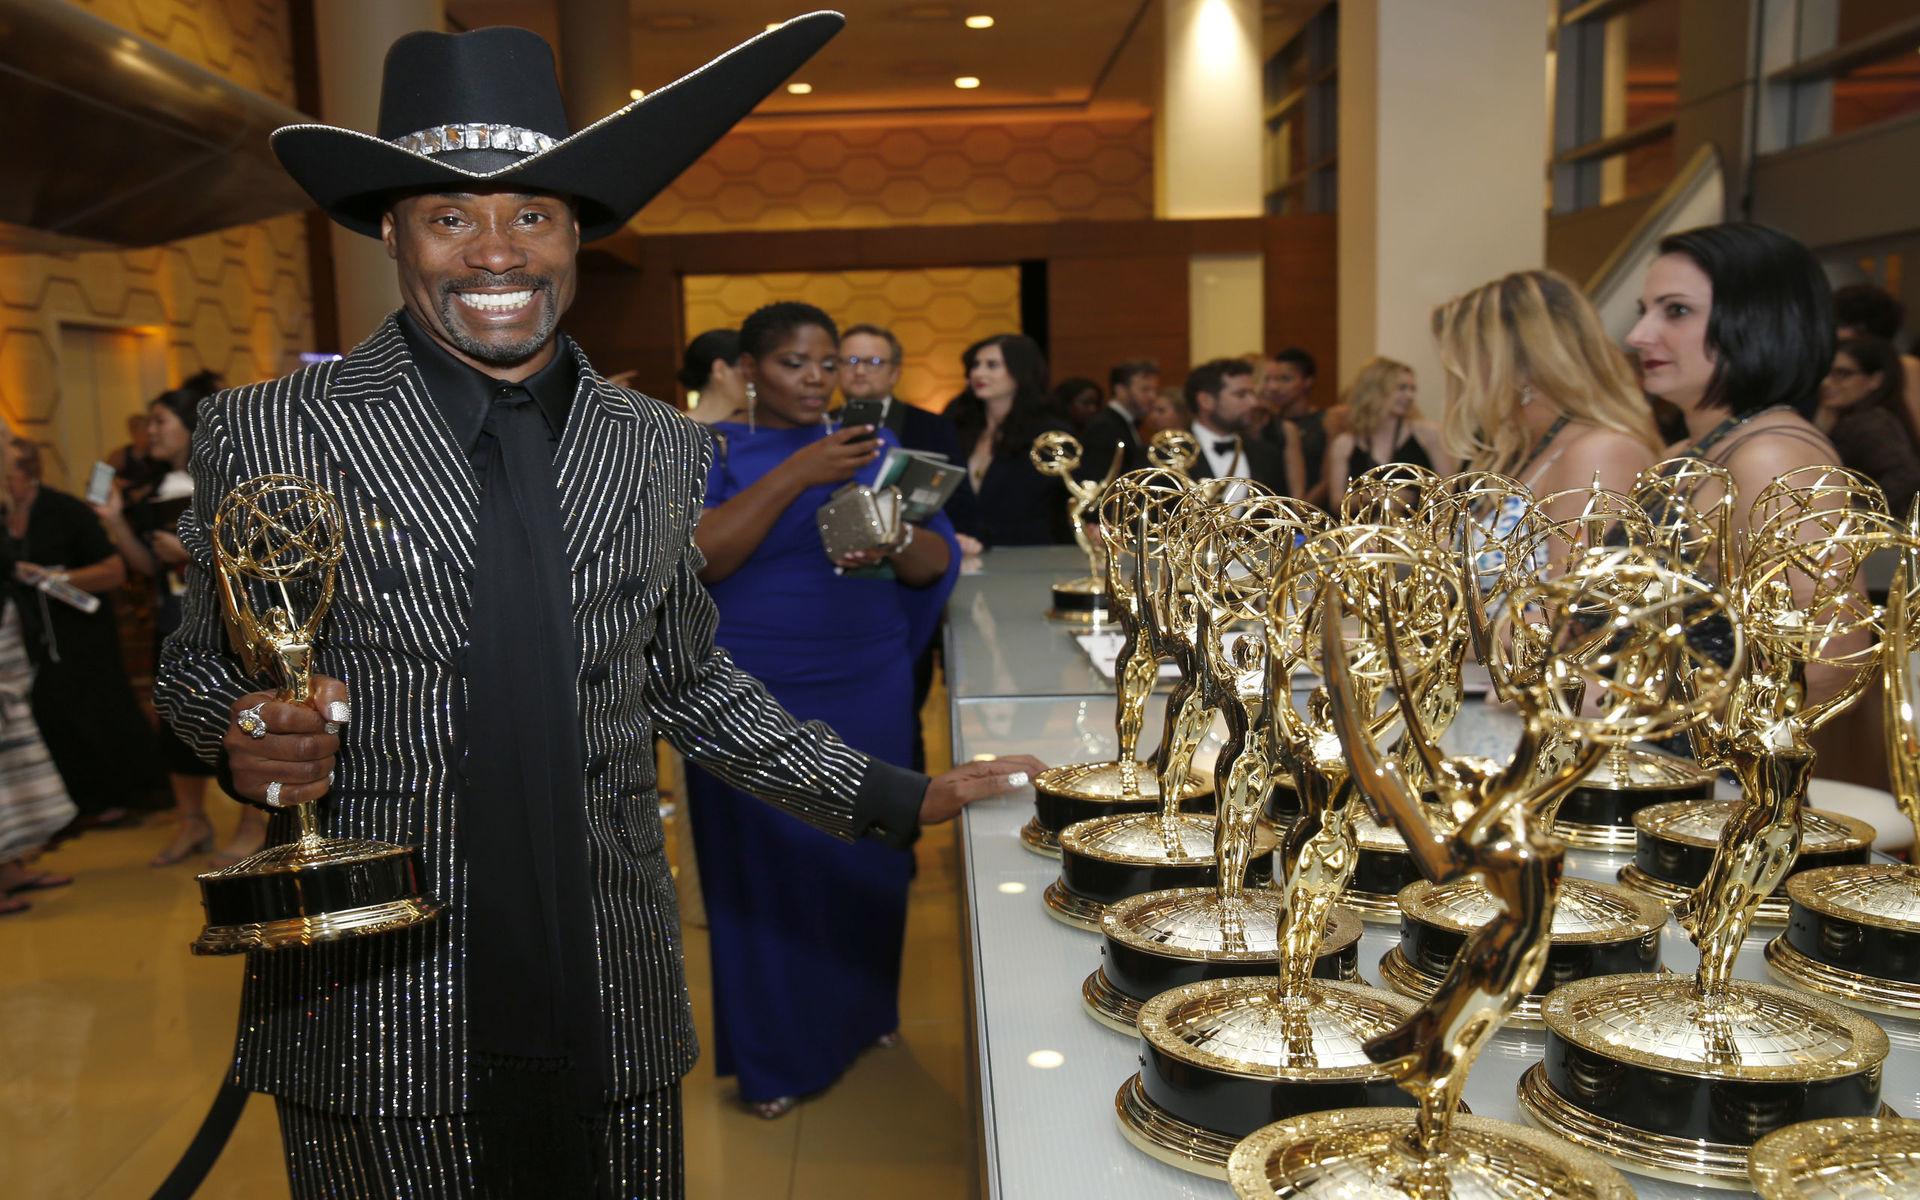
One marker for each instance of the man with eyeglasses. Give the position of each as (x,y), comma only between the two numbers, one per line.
(869,369)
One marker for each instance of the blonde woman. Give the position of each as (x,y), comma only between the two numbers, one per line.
(1537,391)
(1383,426)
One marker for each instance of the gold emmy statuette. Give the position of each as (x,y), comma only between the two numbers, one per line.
(1676,1075)
(1839,1158)
(1850,929)
(1174,450)
(277,540)
(1107,859)
(1222,1057)
(1607,627)
(1133,513)
(1543,535)
(1055,454)
(1161,940)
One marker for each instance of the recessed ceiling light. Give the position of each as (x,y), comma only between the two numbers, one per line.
(637,93)
(980,22)
(966,83)
(799,89)
(773,25)
(1046,1060)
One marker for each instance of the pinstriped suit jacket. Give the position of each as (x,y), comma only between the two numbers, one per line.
(375,1025)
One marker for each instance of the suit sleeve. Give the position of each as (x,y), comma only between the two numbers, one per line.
(199,676)
(724,720)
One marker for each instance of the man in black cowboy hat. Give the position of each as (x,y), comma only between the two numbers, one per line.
(518,614)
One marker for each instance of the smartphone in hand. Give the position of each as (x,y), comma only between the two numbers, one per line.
(100,483)
(862,412)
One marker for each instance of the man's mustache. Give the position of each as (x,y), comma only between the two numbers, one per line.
(515,281)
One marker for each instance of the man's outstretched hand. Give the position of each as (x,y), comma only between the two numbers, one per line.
(953,791)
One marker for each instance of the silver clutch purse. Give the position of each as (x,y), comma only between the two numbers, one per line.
(859,518)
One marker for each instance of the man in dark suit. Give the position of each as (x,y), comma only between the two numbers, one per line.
(870,358)
(518,614)
(1131,387)
(1222,397)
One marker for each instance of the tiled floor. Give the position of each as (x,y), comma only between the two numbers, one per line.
(112,1040)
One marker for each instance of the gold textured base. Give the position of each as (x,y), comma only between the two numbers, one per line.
(1410,981)
(1355,1152)
(1159,1133)
(1772,910)
(1039,839)
(306,931)
(1680,1160)
(1070,909)
(1375,909)
(1887,996)
(1619,839)
(1109,1005)
(1838,1158)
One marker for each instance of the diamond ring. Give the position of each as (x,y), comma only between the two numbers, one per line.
(252,722)
(273,794)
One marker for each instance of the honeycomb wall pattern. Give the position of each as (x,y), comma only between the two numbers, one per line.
(925,174)
(936,313)
(238,301)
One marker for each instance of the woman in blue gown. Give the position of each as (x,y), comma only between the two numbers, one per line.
(805,931)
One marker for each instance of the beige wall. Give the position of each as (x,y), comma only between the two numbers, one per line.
(936,313)
(1443,135)
(926,173)
(236,301)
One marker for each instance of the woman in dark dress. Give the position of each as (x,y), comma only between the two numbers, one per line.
(806,931)
(1383,427)
(1003,409)
(143,533)
(1863,409)
(99,740)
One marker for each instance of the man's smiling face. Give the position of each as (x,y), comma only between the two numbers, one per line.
(486,274)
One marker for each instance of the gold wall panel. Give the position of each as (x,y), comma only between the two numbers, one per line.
(238,301)
(936,313)
(926,174)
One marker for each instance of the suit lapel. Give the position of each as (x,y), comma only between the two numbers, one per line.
(602,470)
(393,445)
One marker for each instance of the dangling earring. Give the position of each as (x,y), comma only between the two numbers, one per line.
(1526,394)
(752,397)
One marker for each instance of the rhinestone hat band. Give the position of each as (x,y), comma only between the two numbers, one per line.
(475,136)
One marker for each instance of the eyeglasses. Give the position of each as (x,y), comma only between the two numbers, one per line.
(876,361)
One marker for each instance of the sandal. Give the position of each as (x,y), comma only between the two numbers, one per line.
(774,1109)
(10,906)
(42,881)
(191,839)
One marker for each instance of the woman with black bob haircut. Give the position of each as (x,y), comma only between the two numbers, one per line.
(806,931)
(1002,410)
(1736,331)
(710,373)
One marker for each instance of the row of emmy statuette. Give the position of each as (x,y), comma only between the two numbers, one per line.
(1628,633)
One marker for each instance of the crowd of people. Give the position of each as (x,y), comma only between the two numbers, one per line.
(1534,388)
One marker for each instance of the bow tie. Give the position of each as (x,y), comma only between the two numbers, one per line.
(1226,447)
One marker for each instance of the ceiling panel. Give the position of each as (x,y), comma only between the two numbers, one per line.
(894,54)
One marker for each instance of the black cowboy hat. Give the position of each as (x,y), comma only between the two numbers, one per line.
(482,109)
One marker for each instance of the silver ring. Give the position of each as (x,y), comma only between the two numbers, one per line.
(273,794)
(252,722)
